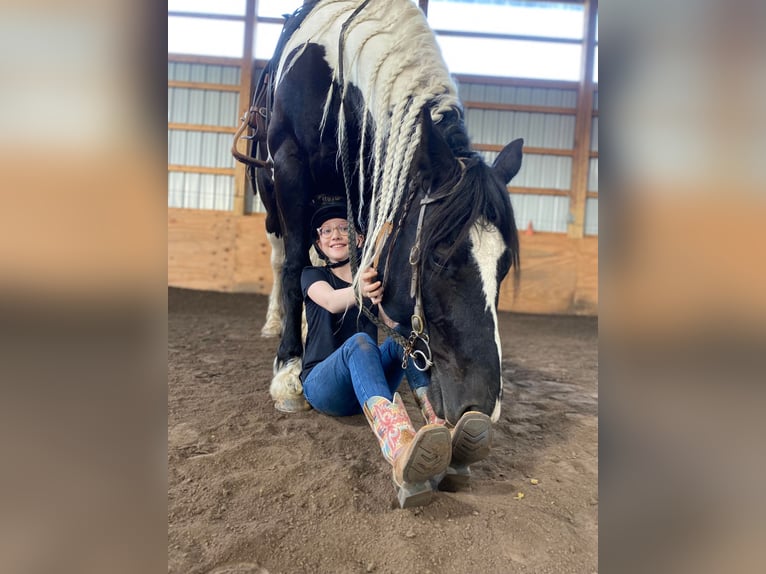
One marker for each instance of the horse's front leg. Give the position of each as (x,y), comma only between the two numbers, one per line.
(274,314)
(286,388)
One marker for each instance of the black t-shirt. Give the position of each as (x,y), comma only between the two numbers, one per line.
(328,331)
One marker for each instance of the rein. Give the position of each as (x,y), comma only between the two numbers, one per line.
(421,359)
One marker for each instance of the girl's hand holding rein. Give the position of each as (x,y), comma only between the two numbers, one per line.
(370,287)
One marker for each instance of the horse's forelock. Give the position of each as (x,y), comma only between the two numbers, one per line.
(473,198)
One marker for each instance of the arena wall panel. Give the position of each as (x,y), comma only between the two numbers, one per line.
(221,251)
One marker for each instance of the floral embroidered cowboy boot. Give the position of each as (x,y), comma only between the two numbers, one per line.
(415,457)
(471,440)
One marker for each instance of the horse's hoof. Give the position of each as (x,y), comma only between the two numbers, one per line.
(292,405)
(411,495)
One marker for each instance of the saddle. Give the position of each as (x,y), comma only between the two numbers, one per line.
(263,99)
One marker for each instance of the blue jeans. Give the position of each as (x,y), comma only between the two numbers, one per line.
(356,371)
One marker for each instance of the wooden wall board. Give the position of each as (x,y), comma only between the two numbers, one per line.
(201,249)
(252,271)
(220,251)
(559,275)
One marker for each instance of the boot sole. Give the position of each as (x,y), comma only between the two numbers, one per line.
(471,442)
(430,454)
(471,439)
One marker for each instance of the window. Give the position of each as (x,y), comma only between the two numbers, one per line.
(513,58)
(514,38)
(266,37)
(545,19)
(267,33)
(595,65)
(205,36)
(277,8)
(226,7)
(508,37)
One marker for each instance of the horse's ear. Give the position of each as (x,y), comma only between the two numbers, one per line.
(508,162)
(436,156)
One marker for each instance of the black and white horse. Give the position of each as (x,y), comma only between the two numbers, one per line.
(362,107)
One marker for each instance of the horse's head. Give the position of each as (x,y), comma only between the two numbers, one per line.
(468,243)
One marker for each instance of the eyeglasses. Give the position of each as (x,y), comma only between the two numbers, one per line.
(327,230)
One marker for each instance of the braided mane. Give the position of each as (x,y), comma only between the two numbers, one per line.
(389,54)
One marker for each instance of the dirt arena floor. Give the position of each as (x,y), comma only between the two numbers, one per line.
(255,491)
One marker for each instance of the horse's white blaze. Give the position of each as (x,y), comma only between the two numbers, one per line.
(487,246)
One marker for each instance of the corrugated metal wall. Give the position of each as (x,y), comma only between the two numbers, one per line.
(556,131)
(591,205)
(541,130)
(202,149)
(193,148)
(200,191)
(206,73)
(545,212)
(205,107)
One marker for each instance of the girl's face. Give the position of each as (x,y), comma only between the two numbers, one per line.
(333,239)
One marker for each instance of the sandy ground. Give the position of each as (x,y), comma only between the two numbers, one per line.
(254,491)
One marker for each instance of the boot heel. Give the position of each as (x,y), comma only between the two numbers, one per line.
(416,457)
(410,494)
(454,478)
